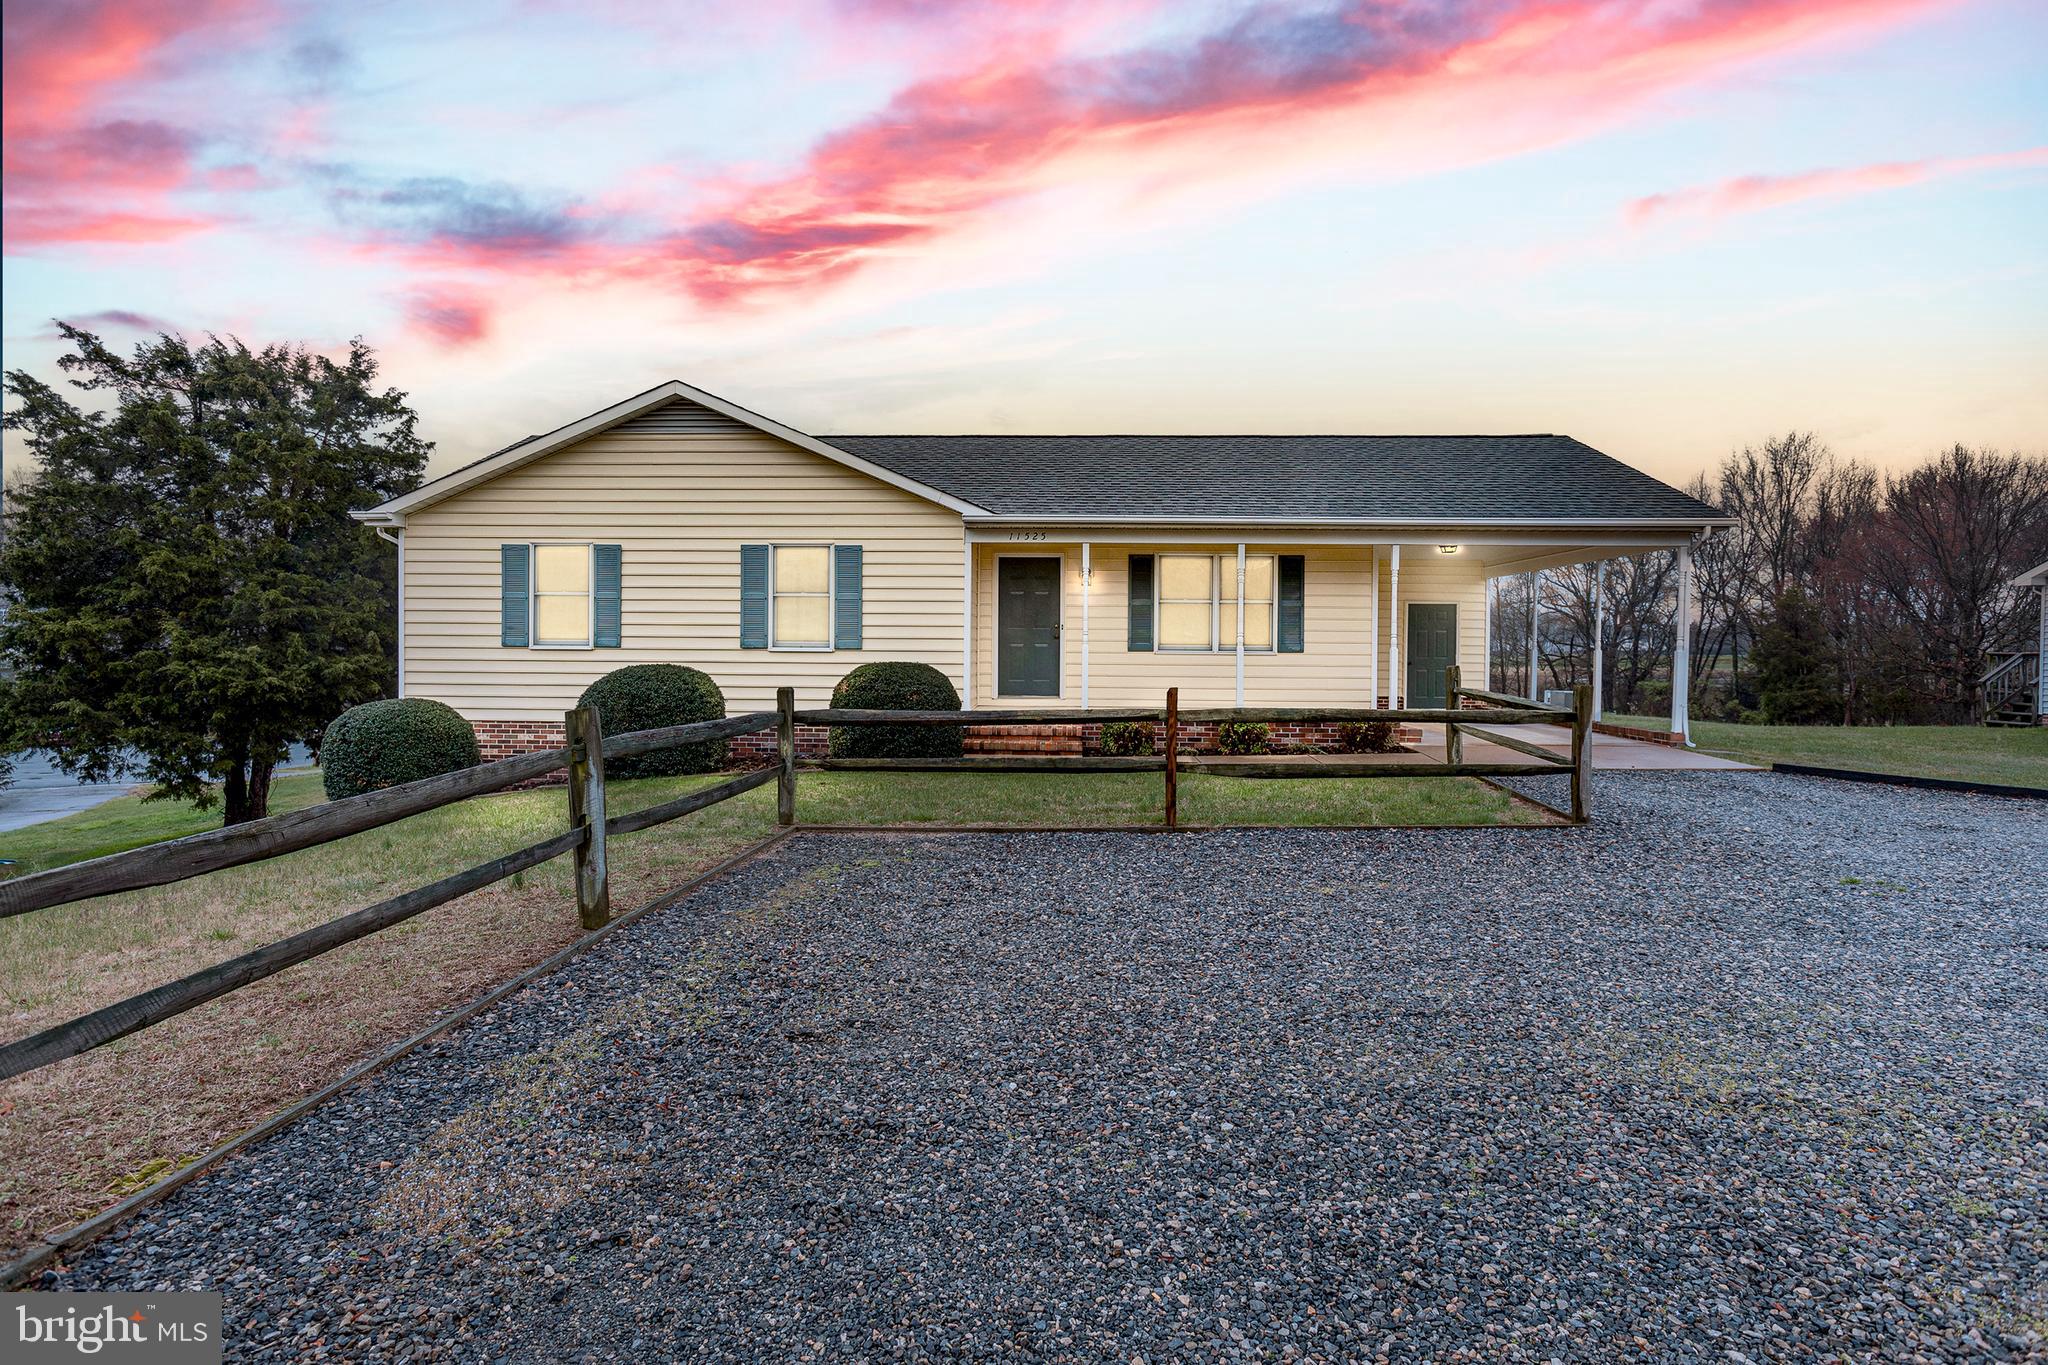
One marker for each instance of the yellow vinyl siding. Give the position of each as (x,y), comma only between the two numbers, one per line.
(680,505)
(1331,670)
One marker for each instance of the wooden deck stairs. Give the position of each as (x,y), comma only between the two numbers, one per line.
(2012,690)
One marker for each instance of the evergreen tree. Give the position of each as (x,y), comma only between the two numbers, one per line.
(1797,682)
(187,584)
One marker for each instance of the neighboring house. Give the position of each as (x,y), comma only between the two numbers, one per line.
(1035,571)
(2015,688)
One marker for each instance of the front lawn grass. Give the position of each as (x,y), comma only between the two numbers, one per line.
(1969,753)
(195,1080)
(866,798)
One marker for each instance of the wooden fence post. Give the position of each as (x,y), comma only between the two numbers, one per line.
(1172,757)
(1582,753)
(1454,738)
(785,748)
(586,811)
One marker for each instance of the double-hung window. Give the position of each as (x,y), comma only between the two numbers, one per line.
(1198,602)
(561,596)
(800,597)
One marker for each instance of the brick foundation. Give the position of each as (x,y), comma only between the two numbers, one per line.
(506,738)
(745,749)
(510,738)
(1199,737)
(1637,732)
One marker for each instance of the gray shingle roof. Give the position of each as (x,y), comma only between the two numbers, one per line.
(1451,478)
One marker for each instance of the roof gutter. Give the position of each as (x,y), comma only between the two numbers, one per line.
(1362,523)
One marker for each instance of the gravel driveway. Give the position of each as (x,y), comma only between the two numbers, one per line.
(1752,1069)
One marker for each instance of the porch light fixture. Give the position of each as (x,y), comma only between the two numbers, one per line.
(1447,549)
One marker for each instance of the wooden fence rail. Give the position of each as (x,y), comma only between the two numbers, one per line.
(1456,718)
(590,824)
(179,859)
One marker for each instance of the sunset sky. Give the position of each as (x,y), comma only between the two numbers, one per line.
(1667,227)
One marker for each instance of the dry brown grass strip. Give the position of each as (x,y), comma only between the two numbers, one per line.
(89,1131)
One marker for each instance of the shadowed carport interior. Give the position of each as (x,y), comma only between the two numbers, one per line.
(1097,1094)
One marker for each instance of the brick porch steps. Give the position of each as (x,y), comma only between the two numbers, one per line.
(1022,739)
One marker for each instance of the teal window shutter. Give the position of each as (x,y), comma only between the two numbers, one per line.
(1140,637)
(753,597)
(515,578)
(604,585)
(846,597)
(1292,572)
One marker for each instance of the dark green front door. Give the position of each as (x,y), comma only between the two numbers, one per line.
(1028,627)
(1432,648)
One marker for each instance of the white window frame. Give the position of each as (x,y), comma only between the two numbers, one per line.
(831,642)
(534,594)
(1219,564)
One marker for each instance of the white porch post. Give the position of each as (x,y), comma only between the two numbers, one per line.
(2040,660)
(966,625)
(1486,640)
(1536,635)
(1681,650)
(1396,690)
(1240,623)
(1372,632)
(397,539)
(1599,633)
(1087,591)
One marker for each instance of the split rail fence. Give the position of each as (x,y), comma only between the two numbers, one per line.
(589,826)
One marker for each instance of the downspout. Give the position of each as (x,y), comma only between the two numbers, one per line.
(966,623)
(1087,591)
(1240,622)
(1396,684)
(1372,633)
(384,533)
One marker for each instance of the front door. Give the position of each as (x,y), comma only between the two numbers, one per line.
(1432,648)
(1028,627)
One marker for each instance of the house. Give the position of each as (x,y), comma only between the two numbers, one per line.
(1035,571)
(2013,691)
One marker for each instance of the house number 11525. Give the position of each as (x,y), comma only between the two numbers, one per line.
(1027,535)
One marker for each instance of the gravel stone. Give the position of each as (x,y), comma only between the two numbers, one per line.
(1752,1069)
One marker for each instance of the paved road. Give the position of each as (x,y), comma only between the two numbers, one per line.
(41,791)
(1752,1069)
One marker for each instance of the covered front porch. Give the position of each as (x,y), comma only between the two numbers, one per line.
(1112,615)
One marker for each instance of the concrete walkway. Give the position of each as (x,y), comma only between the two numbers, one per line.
(1609,751)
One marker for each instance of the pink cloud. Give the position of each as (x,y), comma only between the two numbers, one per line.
(954,155)
(38,226)
(1752,193)
(448,315)
(69,68)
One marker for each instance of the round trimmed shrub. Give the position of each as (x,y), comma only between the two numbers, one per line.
(896,686)
(1126,738)
(385,743)
(651,697)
